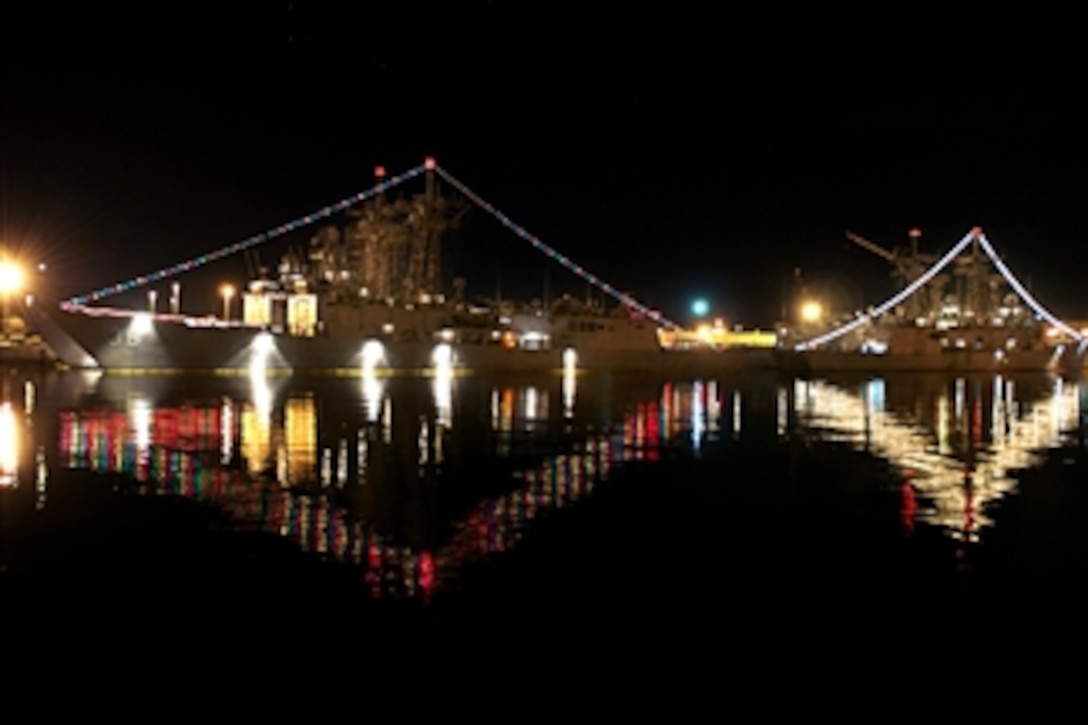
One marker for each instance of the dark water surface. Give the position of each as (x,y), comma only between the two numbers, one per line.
(746,511)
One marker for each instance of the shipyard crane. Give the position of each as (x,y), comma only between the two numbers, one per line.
(909,265)
(871,246)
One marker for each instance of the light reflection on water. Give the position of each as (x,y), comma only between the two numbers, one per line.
(316,471)
(9,445)
(467,468)
(955,464)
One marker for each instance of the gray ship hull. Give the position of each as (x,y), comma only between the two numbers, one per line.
(116,344)
(830,361)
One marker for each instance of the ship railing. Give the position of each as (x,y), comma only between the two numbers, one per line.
(163,317)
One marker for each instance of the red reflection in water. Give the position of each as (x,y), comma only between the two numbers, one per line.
(908,507)
(103,440)
(373,575)
(653,431)
(968,518)
(426,572)
(969,505)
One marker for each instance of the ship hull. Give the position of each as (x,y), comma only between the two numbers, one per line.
(116,344)
(828,361)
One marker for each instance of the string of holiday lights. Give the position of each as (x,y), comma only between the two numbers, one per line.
(556,255)
(1024,294)
(894,299)
(191,264)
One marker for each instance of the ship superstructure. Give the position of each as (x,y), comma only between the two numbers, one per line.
(369,292)
(964,314)
(378,274)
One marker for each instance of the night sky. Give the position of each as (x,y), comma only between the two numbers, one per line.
(676,154)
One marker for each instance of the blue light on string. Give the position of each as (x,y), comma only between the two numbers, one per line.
(203,259)
(554,254)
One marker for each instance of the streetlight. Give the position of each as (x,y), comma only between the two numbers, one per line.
(227,291)
(812,311)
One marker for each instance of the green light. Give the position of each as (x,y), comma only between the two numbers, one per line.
(700,307)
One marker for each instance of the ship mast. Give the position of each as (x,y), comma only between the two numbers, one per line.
(430,216)
(979,286)
(432,271)
(393,247)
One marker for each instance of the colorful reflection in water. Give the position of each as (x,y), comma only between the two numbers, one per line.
(341,476)
(957,446)
(275,469)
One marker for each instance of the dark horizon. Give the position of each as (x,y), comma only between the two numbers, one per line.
(670,158)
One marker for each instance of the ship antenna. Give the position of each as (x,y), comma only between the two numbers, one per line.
(429,165)
(379,177)
(915,233)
